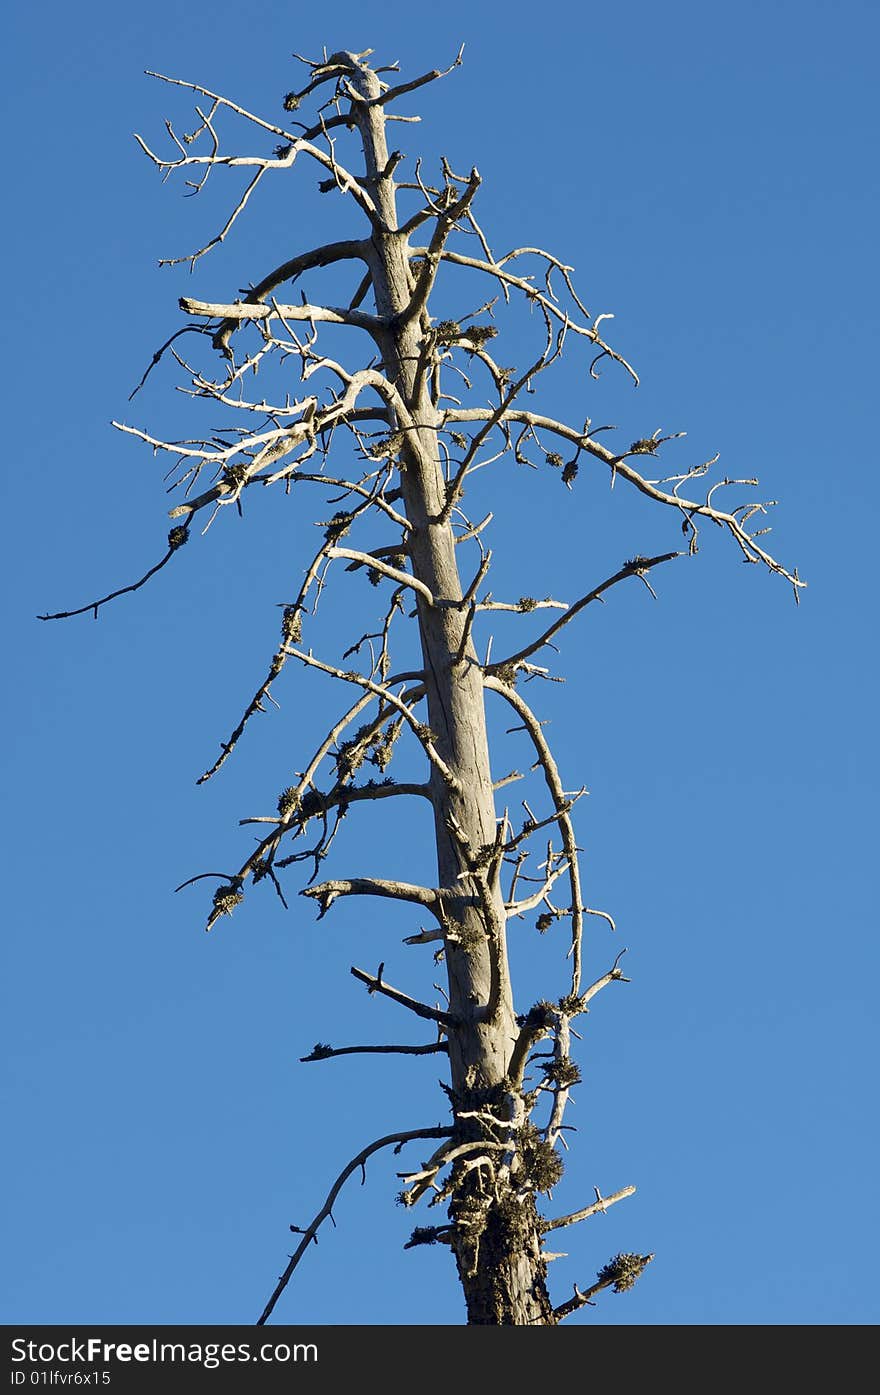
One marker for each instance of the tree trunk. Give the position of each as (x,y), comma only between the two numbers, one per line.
(496,1235)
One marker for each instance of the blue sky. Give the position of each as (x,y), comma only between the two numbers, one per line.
(710,172)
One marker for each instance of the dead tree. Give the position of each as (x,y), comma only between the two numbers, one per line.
(425,406)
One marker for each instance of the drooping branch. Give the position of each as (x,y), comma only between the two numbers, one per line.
(176,539)
(547,302)
(376,564)
(558,796)
(618,464)
(157,356)
(310,1233)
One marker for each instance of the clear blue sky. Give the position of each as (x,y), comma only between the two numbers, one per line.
(711,173)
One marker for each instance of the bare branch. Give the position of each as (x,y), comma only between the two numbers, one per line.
(321,802)
(549,353)
(636,567)
(381,690)
(547,304)
(157,356)
(419,1182)
(528,903)
(240,311)
(327,255)
(296,145)
(618,465)
(261,856)
(223,101)
(176,539)
(327,892)
(535,1025)
(427,937)
(375,984)
(599,1206)
(621,1272)
(614,975)
(446,215)
(322,1052)
(378,500)
(394,92)
(524,606)
(557,794)
(311,1231)
(371,560)
(561,1074)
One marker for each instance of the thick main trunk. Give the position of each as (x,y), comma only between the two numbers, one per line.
(497,1237)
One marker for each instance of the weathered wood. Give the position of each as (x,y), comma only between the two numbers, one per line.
(502,1274)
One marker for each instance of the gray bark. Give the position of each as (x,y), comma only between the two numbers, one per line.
(497,1248)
